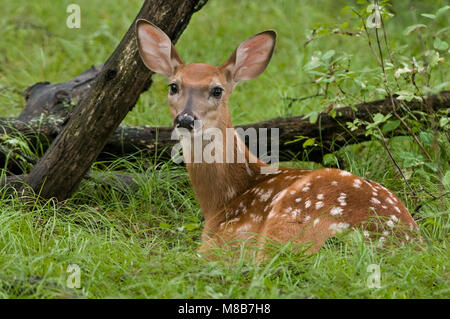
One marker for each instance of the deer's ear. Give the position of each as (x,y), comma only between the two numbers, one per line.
(156,50)
(251,57)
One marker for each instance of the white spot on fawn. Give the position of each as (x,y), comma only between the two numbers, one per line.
(242,207)
(375,201)
(288,210)
(298,200)
(295,213)
(256,218)
(230,192)
(279,196)
(335,211)
(316,221)
(334,183)
(394,218)
(397,209)
(320,196)
(338,227)
(307,218)
(345,173)
(307,203)
(341,199)
(357,183)
(265,196)
(244,228)
(271,214)
(319,205)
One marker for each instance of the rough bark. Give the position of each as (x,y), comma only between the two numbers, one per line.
(112,95)
(330,131)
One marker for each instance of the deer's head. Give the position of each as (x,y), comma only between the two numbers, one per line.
(200,91)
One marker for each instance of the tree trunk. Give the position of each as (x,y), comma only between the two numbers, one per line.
(113,94)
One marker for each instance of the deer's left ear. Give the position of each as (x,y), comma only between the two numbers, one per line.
(251,57)
(156,49)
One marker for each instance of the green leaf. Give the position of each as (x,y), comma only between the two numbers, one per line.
(432,166)
(313,116)
(191,226)
(330,159)
(428,15)
(438,44)
(346,9)
(332,113)
(413,28)
(328,54)
(426,138)
(443,122)
(296,139)
(390,126)
(314,63)
(439,87)
(353,126)
(411,159)
(164,226)
(308,142)
(442,10)
(434,60)
(407,96)
(446,179)
(378,118)
(322,31)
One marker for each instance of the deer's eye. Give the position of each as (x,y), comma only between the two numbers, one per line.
(217,92)
(173,88)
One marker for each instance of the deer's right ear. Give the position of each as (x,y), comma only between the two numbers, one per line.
(156,50)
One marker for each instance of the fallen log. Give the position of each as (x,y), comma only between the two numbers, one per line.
(331,133)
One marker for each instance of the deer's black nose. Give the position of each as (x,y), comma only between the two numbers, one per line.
(185,120)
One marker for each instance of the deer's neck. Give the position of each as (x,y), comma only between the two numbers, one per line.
(216,184)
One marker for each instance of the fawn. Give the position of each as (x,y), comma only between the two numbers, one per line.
(239,199)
